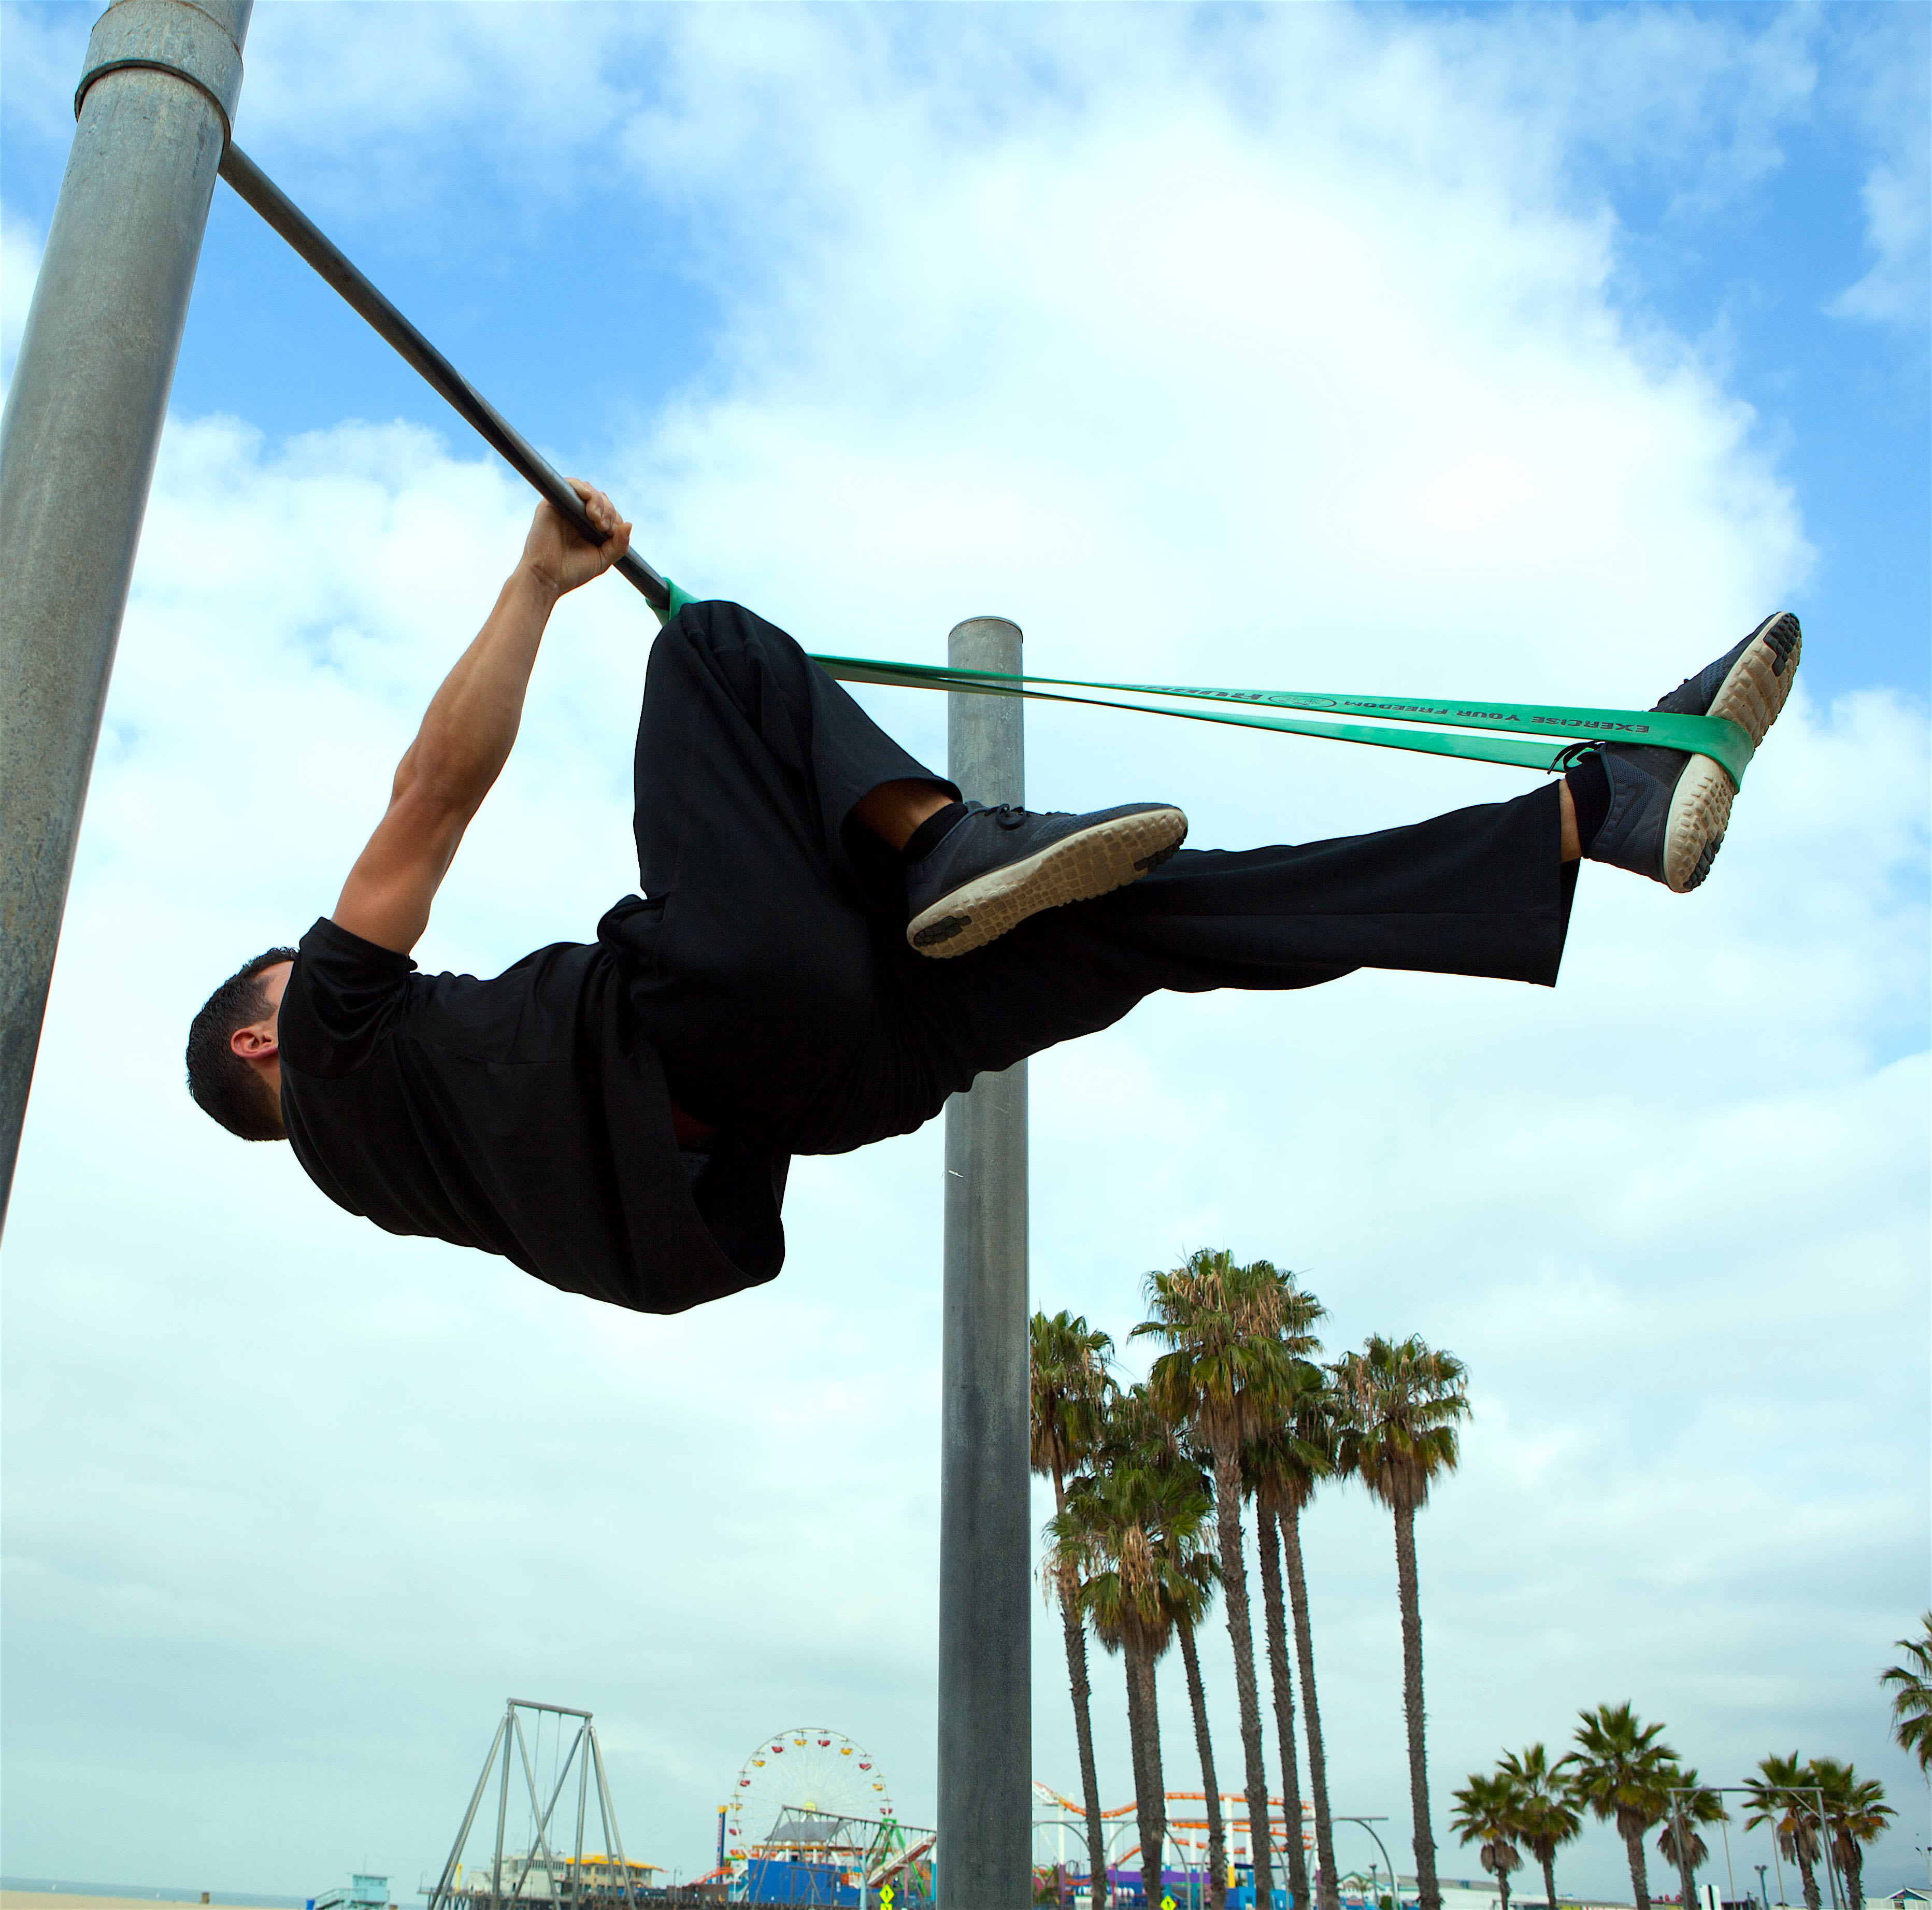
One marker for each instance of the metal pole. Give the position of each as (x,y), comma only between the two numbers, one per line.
(511,1728)
(985,1550)
(583,1794)
(1368,1823)
(261,192)
(441,1898)
(613,1838)
(77,444)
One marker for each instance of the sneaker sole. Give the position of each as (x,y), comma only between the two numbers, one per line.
(1751,695)
(1094,862)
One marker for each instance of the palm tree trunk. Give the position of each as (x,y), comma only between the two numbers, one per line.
(1807,1870)
(1429,1893)
(1549,1877)
(1640,1876)
(1145,1789)
(1240,1636)
(1328,1892)
(1502,1888)
(1686,1874)
(1152,1803)
(1283,1682)
(1217,1841)
(1076,1629)
(1083,1731)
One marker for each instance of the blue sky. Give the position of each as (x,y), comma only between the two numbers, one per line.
(1738,229)
(1535,352)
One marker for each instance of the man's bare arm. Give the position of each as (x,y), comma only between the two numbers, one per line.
(468,731)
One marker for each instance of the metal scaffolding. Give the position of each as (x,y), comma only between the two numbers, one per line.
(539,1875)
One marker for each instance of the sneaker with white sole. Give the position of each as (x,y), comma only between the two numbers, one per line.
(1669,809)
(995,867)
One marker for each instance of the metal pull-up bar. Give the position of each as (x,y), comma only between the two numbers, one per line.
(261,192)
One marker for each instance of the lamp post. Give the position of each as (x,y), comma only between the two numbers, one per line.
(1368,1823)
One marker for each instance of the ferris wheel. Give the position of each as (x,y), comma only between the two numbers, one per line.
(792,1789)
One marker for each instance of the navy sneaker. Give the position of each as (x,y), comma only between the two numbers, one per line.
(995,867)
(1668,810)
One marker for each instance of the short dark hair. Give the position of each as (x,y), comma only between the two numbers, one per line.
(224,1086)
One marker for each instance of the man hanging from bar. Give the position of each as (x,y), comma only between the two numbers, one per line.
(828,944)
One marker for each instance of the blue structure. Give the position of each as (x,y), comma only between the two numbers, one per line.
(364,1893)
(1187,1888)
(787,1880)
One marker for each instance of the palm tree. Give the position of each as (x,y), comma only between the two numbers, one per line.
(1678,1842)
(1280,1681)
(1856,1814)
(1100,1541)
(1911,1703)
(1546,1815)
(1399,1402)
(1621,1772)
(1187,1586)
(1777,1796)
(1281,1470)
(1485,1814)
(1217,1836)
(1221,1378)
(1131,1536)
(1315,1433)
(1070,1387)
(1188,1592)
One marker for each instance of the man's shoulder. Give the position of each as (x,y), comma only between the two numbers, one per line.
(359,997)
(340,991)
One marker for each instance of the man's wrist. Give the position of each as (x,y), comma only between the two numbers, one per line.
(537,584)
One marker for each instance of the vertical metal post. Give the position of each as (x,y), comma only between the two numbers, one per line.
(77,444)
(985,1774)
(452,1871)
(583,1795)
(512,1728)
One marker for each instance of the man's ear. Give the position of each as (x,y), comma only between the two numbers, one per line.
(256,1042)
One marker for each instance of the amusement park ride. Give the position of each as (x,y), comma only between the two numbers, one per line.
(1060,1839)
(810,1820)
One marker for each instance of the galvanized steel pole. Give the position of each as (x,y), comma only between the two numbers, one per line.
(77,444)
(985,1815)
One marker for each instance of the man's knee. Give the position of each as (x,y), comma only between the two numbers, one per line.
(723,648)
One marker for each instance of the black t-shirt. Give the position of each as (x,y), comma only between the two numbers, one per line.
(524,1116)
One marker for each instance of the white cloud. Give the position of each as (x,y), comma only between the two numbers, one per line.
(1253,351)
(1896,215)
(43,47)
(1894,118)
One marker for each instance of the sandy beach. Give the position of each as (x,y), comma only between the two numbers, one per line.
(44,1899)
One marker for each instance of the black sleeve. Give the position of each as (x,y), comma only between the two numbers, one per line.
(341,995)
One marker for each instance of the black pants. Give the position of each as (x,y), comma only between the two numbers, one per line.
(770,965)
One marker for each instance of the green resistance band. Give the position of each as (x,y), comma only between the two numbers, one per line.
(1541,731)
(1533,735)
